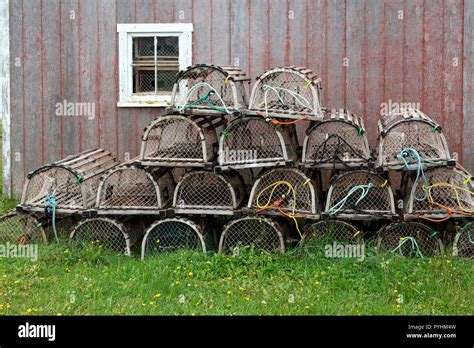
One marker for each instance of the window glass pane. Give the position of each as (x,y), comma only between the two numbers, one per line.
(155,74)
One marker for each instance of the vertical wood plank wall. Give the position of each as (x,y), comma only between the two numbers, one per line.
(416,51)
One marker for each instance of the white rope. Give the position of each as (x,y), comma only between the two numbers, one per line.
(298,97)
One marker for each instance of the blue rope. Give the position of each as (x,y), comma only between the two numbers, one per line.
(51,209)
(339,205)
(414,155)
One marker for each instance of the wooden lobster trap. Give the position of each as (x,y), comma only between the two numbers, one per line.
(173,234)
(409,239)
(251,142)
(287,92)
(210,90)
(285,192)
(448,192)
(463,245)
(408,130)
(180,141)
(360,194)
(252,232)
(69,185)
(338,141)
(113,234)
(19,228)
(329,231)
(128,190)
(206,192)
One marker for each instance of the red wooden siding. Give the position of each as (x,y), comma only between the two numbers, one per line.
(401,50)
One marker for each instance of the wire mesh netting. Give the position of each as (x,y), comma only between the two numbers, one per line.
(135,188)
(209,192)
(339,138)
(16,228)
(448,189)
(177,140)
(283,189)
(106,233)
(463,245)
(409,239)
(328,231)
(250,142)
(71,183)
(287,92)
(209,88)
(360,192)
(257,232)
(410,129)
(171,235)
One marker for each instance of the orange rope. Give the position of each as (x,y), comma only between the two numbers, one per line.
(276,122)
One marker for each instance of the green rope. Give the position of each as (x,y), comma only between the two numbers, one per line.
(226,133)
(414,246)
(360,131)
(435,128)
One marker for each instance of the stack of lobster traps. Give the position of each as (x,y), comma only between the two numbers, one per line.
(222,170)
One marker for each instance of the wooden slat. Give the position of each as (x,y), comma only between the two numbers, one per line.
(220,34)
(239,47)
(468,87)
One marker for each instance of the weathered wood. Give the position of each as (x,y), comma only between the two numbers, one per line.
(468,86)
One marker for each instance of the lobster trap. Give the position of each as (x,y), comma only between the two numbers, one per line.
(463,245)
(447,193)
(287,92)
(206,192)
(180,141)
(328,231)
(250,142)
(112,234)
(172,235)
(360,194)
(339,141)
(283,191)
(130,190)
(252,232)
(18,228)
(409,239)
(410,129)
(69,185)
(209,89)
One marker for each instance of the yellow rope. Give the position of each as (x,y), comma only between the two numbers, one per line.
(456,190)
(268,203)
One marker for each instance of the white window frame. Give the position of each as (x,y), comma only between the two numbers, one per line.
(126,33)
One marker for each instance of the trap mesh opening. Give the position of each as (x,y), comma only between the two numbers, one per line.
(447,188)
(287,92)
(251,142)
(72,182)
(410,129)
(172,235)
(258,232)
(279,187)
(463,245)
(339,140)
(378,200)
(204,192)
(21,229)
(110,234)
(409,239)
(328,231)
(180,140)
(210,89)
(135,188)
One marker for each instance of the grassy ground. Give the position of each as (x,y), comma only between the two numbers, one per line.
(68,281)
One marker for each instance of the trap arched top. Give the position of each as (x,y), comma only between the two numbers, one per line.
(450,194)
(291,188)
(250,142)
(18,228)
(338,141)
(409,239)
(130,190)
(287,92)
(207,192)
(171,235)
(258,232)
(360,194)
(210,89)
(410,129)
(180,141)
(70,184)
(329,231)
